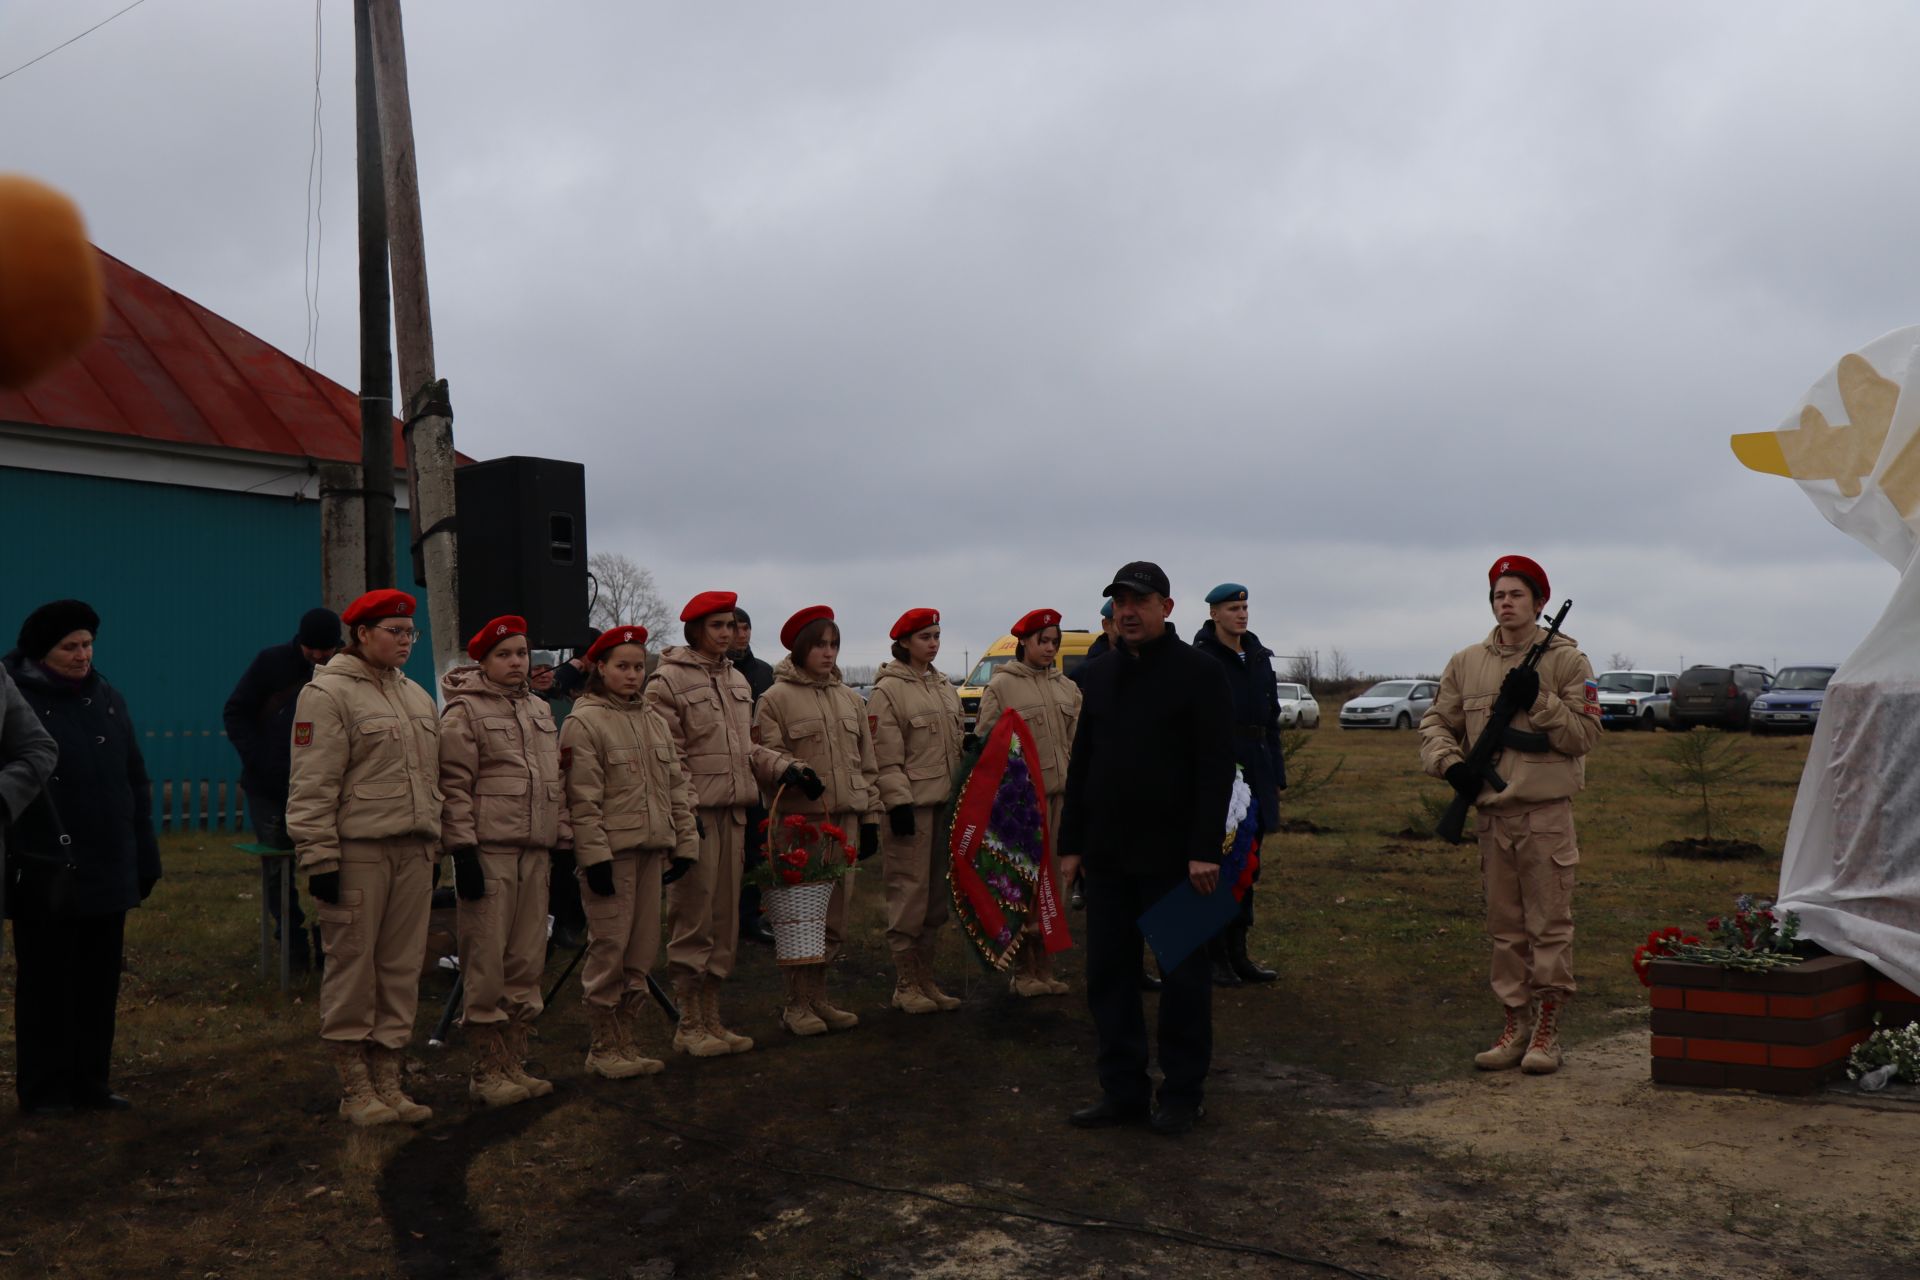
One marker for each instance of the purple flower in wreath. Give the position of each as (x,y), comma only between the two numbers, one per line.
(1004,936)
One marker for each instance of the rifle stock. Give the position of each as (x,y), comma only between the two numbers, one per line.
(1486,748)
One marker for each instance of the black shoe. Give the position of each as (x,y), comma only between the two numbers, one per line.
(757,930)
(104,1102)
(1077,894)
(47,1109)
(1148,982)
(1223,974)
(1106,1113)
(1173,1118)
(1249,970)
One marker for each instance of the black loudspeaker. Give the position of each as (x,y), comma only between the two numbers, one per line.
(523,547)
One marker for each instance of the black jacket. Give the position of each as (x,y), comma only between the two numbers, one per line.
(1152,769)
(99,788)
(259,718)
(759,675)
(1099,646)
(1256,717)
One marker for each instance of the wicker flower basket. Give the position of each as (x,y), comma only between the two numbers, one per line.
(798,915)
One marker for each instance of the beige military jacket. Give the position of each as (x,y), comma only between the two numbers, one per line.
(626,791)
(1048,702)
(822,724)
(1567,711)
(499,768)
(366,761)
(916,735)
(708,706)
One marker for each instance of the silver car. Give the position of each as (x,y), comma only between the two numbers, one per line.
(1298,709)
(1391,704)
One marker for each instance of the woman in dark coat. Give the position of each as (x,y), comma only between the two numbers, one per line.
(68,945)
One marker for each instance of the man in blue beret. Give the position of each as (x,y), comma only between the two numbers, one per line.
(1256,749)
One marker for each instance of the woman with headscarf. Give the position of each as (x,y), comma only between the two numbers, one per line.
(69,926)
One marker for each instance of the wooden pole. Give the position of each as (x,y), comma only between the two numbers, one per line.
(376,311)
(429,429)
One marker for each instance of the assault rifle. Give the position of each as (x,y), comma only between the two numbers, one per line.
(1487,747)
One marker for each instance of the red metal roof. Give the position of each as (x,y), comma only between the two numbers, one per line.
(167,369)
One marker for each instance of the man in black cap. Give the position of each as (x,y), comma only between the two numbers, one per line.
(1146,809)
(259,720)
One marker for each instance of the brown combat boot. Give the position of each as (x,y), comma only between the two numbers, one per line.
(629,1016)
(710,992)
(693,1035)
(384,1064)
(604,1055)
(1043,967)
(489,1084)
(1511,1044)
(359,1104)
(515,1033)
(836,1018)
(796,1014)
(928,987)
(908,995)
(1024,978)
(1543,1051)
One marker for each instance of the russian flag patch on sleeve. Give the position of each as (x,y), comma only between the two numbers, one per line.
(1593,699)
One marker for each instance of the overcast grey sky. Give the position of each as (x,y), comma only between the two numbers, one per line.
(890,304)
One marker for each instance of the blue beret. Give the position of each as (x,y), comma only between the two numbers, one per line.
(1225,592)
(1106,610)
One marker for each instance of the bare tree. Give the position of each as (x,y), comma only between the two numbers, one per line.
(1339,670)
(1304,668)
(627,594)
(1621,661)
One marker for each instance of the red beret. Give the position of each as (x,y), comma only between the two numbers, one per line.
(812,613)
(1038,620)
(708,602)
(488,638)
(375,605)
(1525,568)
(613,638)
(914,620)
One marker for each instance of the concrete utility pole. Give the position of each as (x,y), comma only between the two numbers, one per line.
(429,424)
(376,312)
(343,512)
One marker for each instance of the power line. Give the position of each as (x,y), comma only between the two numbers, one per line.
(64,43)
(316,227)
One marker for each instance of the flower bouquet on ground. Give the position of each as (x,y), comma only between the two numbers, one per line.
(1753,938)
(1183,921)
(1001,850)
(1889,1054)
(804,860)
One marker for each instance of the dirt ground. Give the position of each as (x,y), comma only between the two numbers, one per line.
(1346,1133)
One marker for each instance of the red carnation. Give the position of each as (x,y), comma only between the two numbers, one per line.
(791,875)
(794,820)
(832,832)
(852,857)
(794,858)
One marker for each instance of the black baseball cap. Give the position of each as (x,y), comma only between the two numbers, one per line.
(1142,576)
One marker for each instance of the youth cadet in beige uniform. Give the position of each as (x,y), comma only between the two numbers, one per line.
(708,707)
(1527,847)
(363,811)
(1050,704)
(915,716)
(811,714)
(503,817)
(632,812)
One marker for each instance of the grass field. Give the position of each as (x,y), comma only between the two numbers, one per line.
(910,1146)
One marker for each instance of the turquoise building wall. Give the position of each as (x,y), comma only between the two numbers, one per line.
(190,584)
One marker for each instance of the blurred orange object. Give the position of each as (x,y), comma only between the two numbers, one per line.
(52,300)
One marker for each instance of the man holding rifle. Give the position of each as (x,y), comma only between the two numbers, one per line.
(1537,692)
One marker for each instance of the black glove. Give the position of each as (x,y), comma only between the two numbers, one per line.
(146,886)
(469,879)
(970,743)
(600,878)
(1520,688)
(675,869)
(901,819)
(325,887)
(869,840)
(1461,777)
(699,827)
(799,775)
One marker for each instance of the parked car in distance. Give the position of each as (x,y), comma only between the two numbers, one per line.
(1390,704)
(1635,699)
(1719,696)
(1298,708)
(1794,700)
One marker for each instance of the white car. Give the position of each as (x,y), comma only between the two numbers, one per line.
(1390,704)
(1298,708)
(1636,699)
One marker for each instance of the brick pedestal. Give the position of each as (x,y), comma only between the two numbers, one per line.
(1780,1031)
